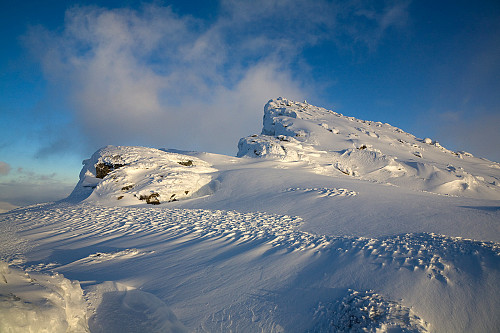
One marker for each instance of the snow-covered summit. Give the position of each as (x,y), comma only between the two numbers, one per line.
(336,145)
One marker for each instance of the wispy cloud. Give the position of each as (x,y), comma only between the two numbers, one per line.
(149,76)
(366,23)
(4,168)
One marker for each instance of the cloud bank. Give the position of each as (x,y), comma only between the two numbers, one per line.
(149,76)
(26,187)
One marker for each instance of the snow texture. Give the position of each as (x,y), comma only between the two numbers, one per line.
(366,312)
(38,302)
(326,224)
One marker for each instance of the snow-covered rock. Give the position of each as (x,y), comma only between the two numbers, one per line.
(336,145)
(134,175)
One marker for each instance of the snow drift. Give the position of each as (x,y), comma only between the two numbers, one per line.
(35,302)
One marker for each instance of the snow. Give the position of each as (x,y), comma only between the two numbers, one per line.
(131,174)
(324,223)
(366,311)
(38,302)
(331,142)
(119,308)
(5,207)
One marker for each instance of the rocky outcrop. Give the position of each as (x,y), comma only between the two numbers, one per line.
(136,174)
(336,145)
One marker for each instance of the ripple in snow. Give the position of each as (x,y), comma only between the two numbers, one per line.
(325,192)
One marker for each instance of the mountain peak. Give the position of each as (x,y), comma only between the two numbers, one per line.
(337,145)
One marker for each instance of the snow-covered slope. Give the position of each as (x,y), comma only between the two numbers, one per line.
(326,224)
(332,144)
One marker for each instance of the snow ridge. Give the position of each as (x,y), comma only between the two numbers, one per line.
(326,192)
(39,302)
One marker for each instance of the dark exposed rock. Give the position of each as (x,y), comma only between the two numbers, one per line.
(152,199)
(103,169)
(186,163)
(128,187)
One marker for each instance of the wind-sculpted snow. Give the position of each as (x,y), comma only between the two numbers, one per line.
(115,307)
(100,257)
(434,254)
(415,251)
(366,312)
(337,145)
(434,257)
(332,228)
(325,192)
(38,302)
(11,245)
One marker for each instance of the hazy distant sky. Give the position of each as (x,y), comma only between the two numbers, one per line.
(195,75)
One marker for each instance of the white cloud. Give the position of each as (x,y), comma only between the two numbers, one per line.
(151,77)
(26,187)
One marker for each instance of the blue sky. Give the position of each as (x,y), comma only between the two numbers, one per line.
(195,75)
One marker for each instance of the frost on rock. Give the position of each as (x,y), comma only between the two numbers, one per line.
(133,175)
(336,145)
(264,146)
(366,312)
(38,302)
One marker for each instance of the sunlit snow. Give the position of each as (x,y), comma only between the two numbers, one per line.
(323,223)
